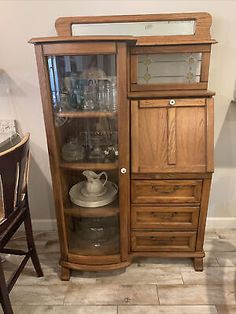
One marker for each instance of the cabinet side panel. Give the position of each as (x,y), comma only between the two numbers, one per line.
(203,214)
(52,148)
(210,134)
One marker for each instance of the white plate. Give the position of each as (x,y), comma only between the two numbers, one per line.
(80,199)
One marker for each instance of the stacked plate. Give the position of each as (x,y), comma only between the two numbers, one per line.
(79,196)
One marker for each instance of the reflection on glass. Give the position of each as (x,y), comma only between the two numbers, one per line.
(73,150)
(94,236)
(155,28)
(94,230)
(84,100)
(169,68)
(83,83)
(90,140)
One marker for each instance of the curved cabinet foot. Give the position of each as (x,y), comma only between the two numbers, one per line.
(198,263)
(65,273)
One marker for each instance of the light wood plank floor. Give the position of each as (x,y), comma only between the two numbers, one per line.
(152,285)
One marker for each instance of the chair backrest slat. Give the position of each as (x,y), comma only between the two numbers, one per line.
(22,173)
(8,177)
(13,168)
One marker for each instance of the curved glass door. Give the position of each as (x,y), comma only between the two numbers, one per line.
(84,100)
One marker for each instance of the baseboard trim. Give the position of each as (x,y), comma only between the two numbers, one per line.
(221,223)
(44,224)
(212,223)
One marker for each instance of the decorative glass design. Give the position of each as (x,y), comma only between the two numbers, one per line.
(169,68)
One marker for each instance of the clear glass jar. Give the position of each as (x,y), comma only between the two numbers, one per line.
(101,96)
(113,96)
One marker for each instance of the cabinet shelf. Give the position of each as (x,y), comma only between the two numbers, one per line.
(89,165)
(86,114)
(93,212)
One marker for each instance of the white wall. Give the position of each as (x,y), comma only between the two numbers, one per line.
(20,97)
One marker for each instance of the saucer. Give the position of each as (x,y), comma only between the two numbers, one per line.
(78,198)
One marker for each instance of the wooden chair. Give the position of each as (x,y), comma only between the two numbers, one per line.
(14,167)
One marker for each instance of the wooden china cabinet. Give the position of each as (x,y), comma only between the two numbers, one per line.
(129,124)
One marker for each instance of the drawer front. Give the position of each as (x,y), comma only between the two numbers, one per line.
(166,191)
(163,241)
(164,217)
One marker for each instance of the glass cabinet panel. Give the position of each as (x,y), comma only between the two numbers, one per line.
(169,68)
(83,82)
(85,103)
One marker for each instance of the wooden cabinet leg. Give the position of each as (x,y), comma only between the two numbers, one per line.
(198,263)
(65,273)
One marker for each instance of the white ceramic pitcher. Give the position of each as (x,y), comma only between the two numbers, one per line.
(94,184)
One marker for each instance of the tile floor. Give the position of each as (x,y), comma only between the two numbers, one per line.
(152,285)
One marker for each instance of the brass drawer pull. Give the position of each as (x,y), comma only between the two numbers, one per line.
(167,191)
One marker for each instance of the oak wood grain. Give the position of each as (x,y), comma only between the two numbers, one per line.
(169,49)
(85,114)
(76,257)
(167,86)
(79,48)
(205,66)
(202,27)
(165,191)
(124,149)
(163,217)
(170,94)
(171,146)
(163,241)
(210,134)
(203,214)
(179,102)
(97,267)
(88,165)
(134,136)
(151,133)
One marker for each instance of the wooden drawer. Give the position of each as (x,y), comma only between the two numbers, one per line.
(163,241)
(166,191)
(150,217)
